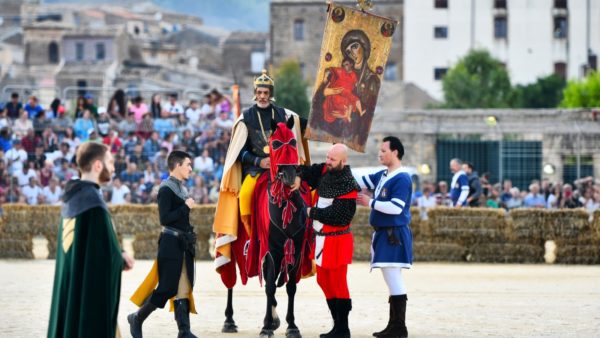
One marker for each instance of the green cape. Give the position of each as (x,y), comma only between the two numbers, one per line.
(87,280)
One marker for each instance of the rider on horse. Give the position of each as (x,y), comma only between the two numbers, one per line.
(247,158)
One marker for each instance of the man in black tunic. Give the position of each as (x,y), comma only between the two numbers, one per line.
(176,249)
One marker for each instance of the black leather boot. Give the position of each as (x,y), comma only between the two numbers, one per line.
(331,303)
(136,319)
(343,310)
(391,315)
(182,317)
(398,325)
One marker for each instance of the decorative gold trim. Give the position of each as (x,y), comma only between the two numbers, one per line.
(68,232)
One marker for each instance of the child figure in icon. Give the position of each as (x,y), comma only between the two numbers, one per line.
(342,82)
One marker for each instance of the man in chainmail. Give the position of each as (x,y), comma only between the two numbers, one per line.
(176,252)
(335,207)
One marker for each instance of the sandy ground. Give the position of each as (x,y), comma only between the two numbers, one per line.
(445,300)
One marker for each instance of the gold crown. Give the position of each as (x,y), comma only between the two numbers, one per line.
(264,80)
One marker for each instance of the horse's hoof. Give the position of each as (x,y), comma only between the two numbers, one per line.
(266,334)
(229,327)
(292,333)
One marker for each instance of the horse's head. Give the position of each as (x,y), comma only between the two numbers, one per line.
(283,152)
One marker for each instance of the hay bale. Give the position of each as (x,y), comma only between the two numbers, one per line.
(18,219)
(438,251)
(416,222)
(467,226)
(570,253)
(505,253)
(361,217)
(527,226)
(51,249)
(567,225)
(595,227)
(16,247)
(362,242)
(133,218)
(145,244)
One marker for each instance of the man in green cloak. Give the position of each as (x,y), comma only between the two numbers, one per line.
(89,260)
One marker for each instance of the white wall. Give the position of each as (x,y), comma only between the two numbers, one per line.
(529,52)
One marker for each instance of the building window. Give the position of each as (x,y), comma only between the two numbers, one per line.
(440,32)
(560,27)
(593,61)
(53,52)
(560,4)
(391,71)
(438,73)
(257,62)
(560,69)
(500,4)
(500,27)
(100,51)
(440,3)
(79,51)
(303,69)
(299,30)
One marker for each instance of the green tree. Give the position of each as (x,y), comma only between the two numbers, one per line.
(477,81)
(290,88)
(584,93)
(546,92)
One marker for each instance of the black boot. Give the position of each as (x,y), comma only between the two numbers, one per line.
(137,318)
(391,315)
(343,310)
(182,316)
(331,303)
(398,326)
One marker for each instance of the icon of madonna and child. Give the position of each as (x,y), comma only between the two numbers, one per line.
(344,102)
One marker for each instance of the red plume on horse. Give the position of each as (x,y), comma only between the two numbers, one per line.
(279,249)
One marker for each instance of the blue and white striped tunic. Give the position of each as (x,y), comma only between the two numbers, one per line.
(459,188)
(390,212)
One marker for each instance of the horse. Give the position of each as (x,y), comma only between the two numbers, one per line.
(279,249)
(273,204)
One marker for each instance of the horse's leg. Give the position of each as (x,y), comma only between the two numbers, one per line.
(229,325)
(269,277)
(292,330)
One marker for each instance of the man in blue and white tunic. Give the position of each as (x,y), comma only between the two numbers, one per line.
(459,187)
(391,248)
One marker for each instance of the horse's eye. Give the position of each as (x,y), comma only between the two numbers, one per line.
(293,142)
(276,144)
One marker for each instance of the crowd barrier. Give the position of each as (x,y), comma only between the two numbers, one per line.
(568,236)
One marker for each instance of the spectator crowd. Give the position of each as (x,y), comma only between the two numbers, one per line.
(37,147)
(37,144)
(583,193)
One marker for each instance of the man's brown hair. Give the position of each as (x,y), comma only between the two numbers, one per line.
(88,153)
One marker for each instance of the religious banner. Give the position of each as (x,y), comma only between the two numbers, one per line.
(354,52)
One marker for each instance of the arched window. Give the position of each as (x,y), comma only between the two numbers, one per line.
(53,54)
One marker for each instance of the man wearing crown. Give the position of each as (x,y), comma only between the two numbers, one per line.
(247,158)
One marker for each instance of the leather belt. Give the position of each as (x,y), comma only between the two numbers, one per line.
(172,231)
(333,233)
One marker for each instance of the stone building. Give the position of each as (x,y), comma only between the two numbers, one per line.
(531,38)
(244,56)
(521,145)
(297,26)
(92,58)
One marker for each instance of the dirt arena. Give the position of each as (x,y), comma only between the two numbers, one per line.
(444,300)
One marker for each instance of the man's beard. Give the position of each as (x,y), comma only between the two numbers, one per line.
(263,104)
(105,175)
(339,167)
